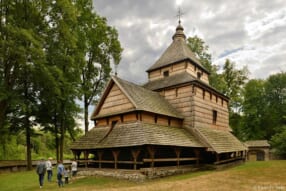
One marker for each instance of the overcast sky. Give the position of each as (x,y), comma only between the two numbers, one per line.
(251,33)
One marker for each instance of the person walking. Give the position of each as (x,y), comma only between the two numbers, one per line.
(41,170)
(74,167)
(60,173)
(49,167)
(67,175)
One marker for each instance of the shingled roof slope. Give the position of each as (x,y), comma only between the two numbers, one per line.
(176,52)
(257,143)
(169,81)
(135,134)
(220,141)
(147,100)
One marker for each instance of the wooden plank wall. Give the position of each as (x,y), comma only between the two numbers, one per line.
(193,70)
(145,117)
(204,103)
(115,101)
(178,68)
(198,108)
(181,99)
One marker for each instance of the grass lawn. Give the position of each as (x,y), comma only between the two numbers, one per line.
(256,176)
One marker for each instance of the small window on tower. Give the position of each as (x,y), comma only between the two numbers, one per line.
(113,123)
(214,116)
(199,75)
(166,73)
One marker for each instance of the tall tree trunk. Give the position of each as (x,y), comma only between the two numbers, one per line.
(28,143)
(56,136)
(27,127)
(86,123)
(3,108)
(62,142)
(62,131)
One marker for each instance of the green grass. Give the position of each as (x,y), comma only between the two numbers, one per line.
(243,176)
(28,181)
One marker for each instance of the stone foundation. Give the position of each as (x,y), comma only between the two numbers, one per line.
(152,173)
(137,175)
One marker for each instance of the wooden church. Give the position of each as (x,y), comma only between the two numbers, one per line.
(175,119)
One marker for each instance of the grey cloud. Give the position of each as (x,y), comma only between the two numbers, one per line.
(221,24)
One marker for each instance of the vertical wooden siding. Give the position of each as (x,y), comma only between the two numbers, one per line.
(115,101)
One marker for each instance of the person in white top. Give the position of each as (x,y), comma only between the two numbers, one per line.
(74,167)
(49,168)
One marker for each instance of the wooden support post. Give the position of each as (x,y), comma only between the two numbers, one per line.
(197,153)
(151,151)
(99,154)
(86,158)
(78,155)
(178,153)
(115,156)
(217,157)
(135,154)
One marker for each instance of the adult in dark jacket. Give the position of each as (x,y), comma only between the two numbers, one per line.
(41,170)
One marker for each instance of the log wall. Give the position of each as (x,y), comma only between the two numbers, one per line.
(144,117)
(178,68)
(181,99)
(116,101)
(197,106)
(193,70)
(204,104)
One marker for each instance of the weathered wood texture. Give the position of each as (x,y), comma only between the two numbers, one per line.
(116,101)
(197,105)
(145,117)
(180,98)
(204,103)
(178,68)
(173,69)
(193,70)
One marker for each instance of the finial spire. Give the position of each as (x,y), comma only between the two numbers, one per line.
(179,30)
(180,14)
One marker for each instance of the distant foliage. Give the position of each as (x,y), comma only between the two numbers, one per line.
(257,107)
(264,111)
(278,141)
(48,51)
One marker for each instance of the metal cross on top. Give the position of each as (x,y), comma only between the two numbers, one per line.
(179,15)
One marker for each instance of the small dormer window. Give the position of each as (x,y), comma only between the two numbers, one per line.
(214,116)
(166,73)
(199,75)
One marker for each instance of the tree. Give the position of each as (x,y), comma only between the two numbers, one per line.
(21,56)
(278,141)
(253,108)
(275,90)
(98,46)
(233,82)
(264,109)
(198,46)
(61,51)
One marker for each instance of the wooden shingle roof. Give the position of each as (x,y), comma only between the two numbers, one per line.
(169,81)
(178,51)
(135,134)
(257,143)
(219,141)
(144,99)
(179,79)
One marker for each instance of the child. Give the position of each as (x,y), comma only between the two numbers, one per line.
(66,175)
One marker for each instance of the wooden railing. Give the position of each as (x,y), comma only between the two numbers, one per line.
(18,165)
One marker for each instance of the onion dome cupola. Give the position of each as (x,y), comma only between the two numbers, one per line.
(177,53)
(179,32)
